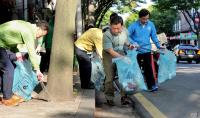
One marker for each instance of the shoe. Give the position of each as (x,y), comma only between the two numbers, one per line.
(90,86)
(10,102)
(125,100)
(17,98)
(110,102)
(154,88)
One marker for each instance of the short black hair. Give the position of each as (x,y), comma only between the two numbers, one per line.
(113,15)
(43,25)
(143,12)
(116,20)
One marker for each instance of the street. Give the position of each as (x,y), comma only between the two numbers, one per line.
(176,98)
(179,97)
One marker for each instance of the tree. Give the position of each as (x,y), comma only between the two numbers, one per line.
(101,7)
(79,22)
(132,18)
(164,20)
(60,77)
(185,7)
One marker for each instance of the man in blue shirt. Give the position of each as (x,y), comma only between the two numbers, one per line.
(140,33)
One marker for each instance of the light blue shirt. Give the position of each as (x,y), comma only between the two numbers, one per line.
(140,34)
(116,42)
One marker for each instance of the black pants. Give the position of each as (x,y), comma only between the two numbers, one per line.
(45,61)
(144,61)
(85,67)
(7,72)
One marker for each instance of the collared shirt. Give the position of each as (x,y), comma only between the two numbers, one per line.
(141,34)
(90,40)
(17,32)
(116,42)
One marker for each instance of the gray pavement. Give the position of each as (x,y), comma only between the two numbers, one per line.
(117,111)
(81,107)
(176,98)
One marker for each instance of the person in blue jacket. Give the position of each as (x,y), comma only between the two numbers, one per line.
(140,33)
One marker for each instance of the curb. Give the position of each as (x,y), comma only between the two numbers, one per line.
(87,104)
(145,108)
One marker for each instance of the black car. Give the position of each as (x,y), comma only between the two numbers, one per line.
(187,52)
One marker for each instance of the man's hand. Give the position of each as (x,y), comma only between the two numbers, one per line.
(132,46)
(162,50)
(40,76)
(19,56)
(126,59)
(38,49)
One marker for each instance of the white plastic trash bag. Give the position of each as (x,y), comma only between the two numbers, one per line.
(25,79)
(129,72)
(167,66)
(97,75)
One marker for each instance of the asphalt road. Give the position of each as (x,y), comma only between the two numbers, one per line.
(179,97)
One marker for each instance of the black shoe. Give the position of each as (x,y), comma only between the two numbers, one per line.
(125,100)
(90,86)
(110,102)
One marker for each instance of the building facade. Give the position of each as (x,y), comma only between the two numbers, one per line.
(182,30)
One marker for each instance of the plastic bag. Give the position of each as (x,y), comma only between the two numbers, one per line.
(167,66)
(25,79)
(97,75)
(129,72)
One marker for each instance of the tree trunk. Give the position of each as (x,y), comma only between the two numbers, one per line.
(60,77)
(79,21)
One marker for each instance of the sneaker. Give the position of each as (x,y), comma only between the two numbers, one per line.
(154,88)
(110,102)
(125,100)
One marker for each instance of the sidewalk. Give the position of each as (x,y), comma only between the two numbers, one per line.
(117,111)
(81,107)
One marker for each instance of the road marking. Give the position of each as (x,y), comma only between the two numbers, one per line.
(154,112)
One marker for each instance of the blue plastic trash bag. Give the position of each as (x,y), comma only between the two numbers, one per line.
(167,66)
(97,75)
(129,72)
(25,79)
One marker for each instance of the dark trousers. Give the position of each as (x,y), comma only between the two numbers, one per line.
(85,67)
(144,61)
(7,72)
(45,61)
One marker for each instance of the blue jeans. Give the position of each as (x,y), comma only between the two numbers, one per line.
(6,72)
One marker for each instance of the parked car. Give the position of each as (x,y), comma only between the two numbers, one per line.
(187,52)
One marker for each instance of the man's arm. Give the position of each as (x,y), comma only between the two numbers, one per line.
(28,38)
(154,36)
(131,30)
(108,47)
(113,53)
(98,41)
